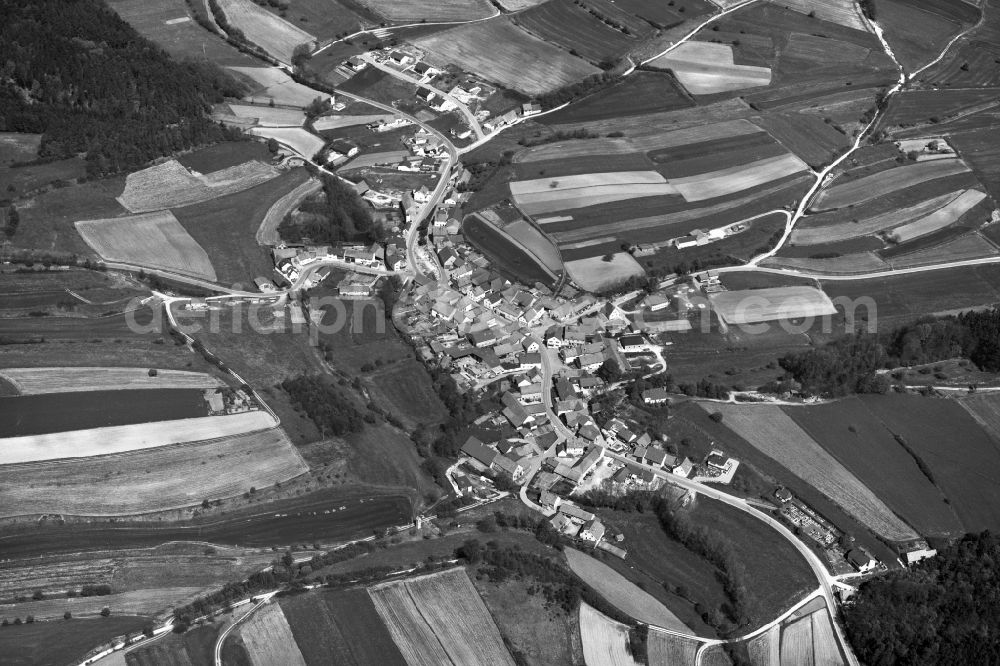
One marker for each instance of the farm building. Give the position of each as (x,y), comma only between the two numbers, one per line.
(592,530)
(632,343)
(479,452)
(861,560)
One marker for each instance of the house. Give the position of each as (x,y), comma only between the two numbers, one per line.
(592,530)
(400,58)
(915,556)
(593,457)
(861,560)
(656,457)
(423,195)
(657,396)
(656,302)
(344,147)
(639,454)
(447,257)
(530,360)
(483,338)
(355,63)
(563,524)
(531,108)
(717,460)
(426,94)
(511,467)
(573,511)
(590,362)
(356,285)
(549,500)
(684,468)
(632,343)
(479,452)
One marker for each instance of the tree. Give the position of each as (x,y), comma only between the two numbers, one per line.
(105,612)
(67,615)
(716,416)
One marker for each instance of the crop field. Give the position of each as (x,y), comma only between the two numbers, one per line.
(864,445)
(440,619)
(323,18)
(547,195)
(982,151)
(861,262)
(327,625)
(596,274)
(775,434)
(706,156)
(171,184)
(640,93)
(268,639)
(273,84)
(302,141)
(119,484)
(573,27)
(738,178)
(826,652)
(841,230)
(939,219)
(878,184)
(30,381)
(843,12)
(509,257)
(757,305)
(273,34)
(924,424)
(664,648)
(605,642)
(18,147)
(325,123)
(797,643)
(985,409)
(917,31)
(183,39)
(919,106)
(151,240)
(118,439)
(556,168)
(706,68)
(805,134)
(622,593)
(227,227)
(62,642)
(267,116)
(512,59)
(530,237)
(416,11)
(765,649)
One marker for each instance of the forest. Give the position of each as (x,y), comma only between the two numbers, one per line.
(339,215)
(943,610)
(90,84)
(851,363)
(327,406)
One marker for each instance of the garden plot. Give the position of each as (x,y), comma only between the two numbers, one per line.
(272,33)
(274,85)
(302,141)
(118,439)
(33,381)
(605,642)
(268,639)
(148,480)
(844,12)
(939,219)
(512,59)
(152,240)
(706,68)
(775,434)
(757,305)
(598,273)
(622,593)
(171,184)
(546,195)
(336,122)
(738,178)
(440,619)
(267,116)
(884,182)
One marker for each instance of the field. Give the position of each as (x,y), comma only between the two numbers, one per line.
(861,262)
(325,123)
(195,646)
(807,135)
(737,178)
(18,147)
(227,227)
(267,116)
(62,642)
(548,195)
(273,84)
(707,156)
(605,642)
(981,151)
(765,649)
(826,652)
(136,602)
(862,443)
(919,106)
(868,187)
(598,273)
(530,237)
(171,184)
(507,256)
(666,648)
(119,484)
(327,624)
(797,643)
(325,19)
(439,619)
(843,12)
(776,435)
(570,26)
(917,32)
(118,439)
(268,639)
(302,141)
(757,305)
(183,39)
(267,233)
(939,219)
(273,34)
(621,593)
(150,240)
(511,61)
(417,11)
(641,92)
(706,68)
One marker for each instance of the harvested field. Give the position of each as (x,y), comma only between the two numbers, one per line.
(797,643)
(268,639)
(275,35)
(118,439)
(151,240)
(324,123)
(706,68)
(826,652)
(119,484)
(776,435)
(171,184)
(31,381)
(605,642)
(667,649)
(302,141)
(878,184)
(865,446)
(440,619)
(511,60)
(275,85)
(621,593)
(939,219)
(803,234)
(595,274)
(328,623)
(757,305)
(765,649)
(862,262)
(570,26)
(267,116)
(738,178)
(416,11)
(547,195)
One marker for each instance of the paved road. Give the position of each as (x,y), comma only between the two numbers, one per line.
(834,277)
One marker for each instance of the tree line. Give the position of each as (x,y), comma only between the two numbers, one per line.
(90,84)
